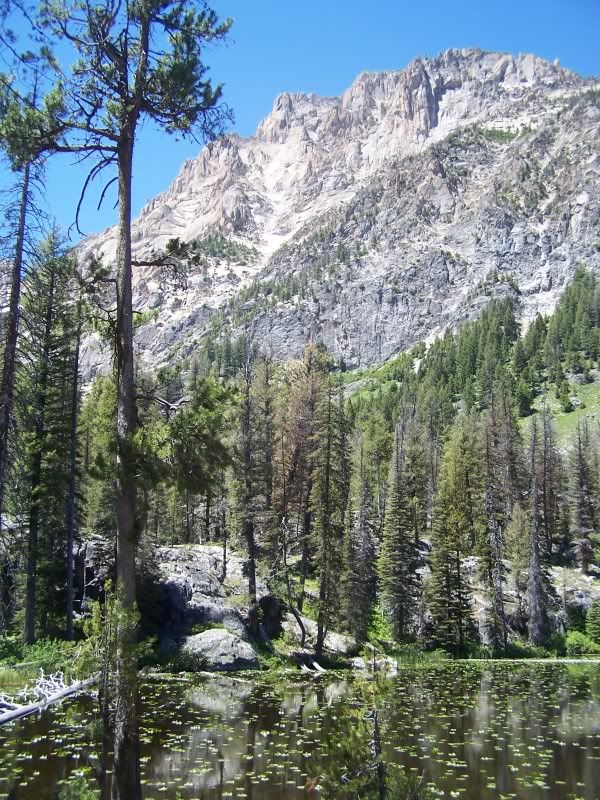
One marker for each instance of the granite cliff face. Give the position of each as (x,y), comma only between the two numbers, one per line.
(380,217)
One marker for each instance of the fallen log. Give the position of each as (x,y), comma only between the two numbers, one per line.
(33,708)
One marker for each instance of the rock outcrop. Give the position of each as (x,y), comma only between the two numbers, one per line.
(220,651)
(188,592)
(194,591)
(380,217)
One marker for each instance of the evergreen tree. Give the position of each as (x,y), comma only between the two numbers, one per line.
(537,590)
(458,523)
(247,494)
(134,62)
(398,561)
(583,496)
(20,121)
(359,581)
(329,499)
(97,428)
(523,397)
(492,549)
(71,516)
(45,390)
(416,478)
(592,623)
(376,444)
(263,402)
(550,483)
(518,550)
(306,380)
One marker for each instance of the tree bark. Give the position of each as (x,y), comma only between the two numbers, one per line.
(72,478)
(10,340)
(126,767)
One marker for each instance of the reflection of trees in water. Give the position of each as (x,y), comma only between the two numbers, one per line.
(239,740)
(249,764)
(486,717)
(456,720)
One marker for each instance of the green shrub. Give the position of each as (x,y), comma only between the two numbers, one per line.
(557,644)
(148,652)
(592,623)
(51,655)
(520,649)
(578,644)
(11,650)
(575,618)
(186,661)
(475,650)
(77,787)
(498,135)
(410,654)
(202,627)
(380,631)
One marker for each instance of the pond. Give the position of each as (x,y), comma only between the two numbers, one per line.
(475,730)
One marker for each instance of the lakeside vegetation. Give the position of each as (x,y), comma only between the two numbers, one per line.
(480,447)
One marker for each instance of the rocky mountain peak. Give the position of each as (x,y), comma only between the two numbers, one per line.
(488,157)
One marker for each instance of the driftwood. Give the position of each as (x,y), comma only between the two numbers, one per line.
(46,691)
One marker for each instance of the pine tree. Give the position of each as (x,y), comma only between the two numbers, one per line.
(377,443)
(523,397)
(592,623)
(247,494)
(263,400)
(537,590)
(416,478)
(583,496)
(492,547)
(71,516)
(436,411)
(550,483)
(304,385)
(20,121)
(97,428)
(45,387)
(359,580)
(458,523)
(518,550)
(398,561)
(329,499)
(134,62)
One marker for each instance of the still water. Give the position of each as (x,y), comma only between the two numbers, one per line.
(474,730)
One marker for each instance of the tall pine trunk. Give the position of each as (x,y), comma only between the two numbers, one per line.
(535,586)
(126,768)
(10,340)
(72,477)
(36,470)
(248,497)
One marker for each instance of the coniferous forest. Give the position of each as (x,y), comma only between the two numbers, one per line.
(381,501)
(440,507)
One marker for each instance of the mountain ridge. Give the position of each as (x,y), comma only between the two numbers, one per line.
(467,144)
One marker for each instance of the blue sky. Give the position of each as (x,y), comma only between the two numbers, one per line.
(312,46)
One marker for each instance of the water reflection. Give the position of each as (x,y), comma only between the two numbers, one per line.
(477,731)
